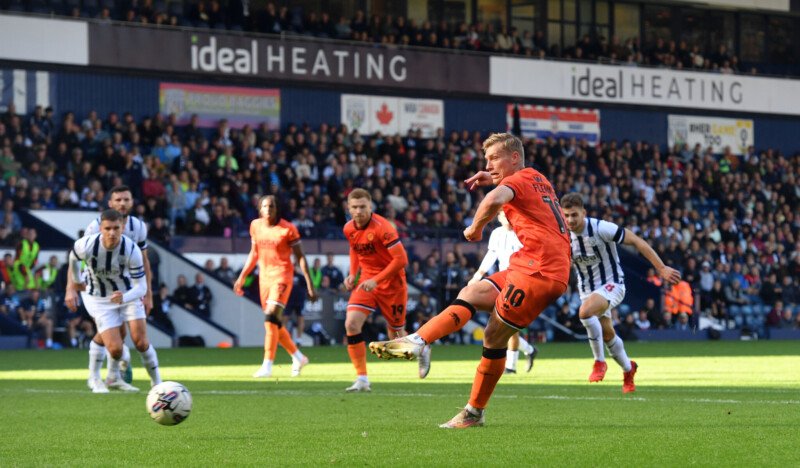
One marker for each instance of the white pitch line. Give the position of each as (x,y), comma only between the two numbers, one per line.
(306,393)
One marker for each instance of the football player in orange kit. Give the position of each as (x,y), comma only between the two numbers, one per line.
(376,250)
(273,240)
(537,274)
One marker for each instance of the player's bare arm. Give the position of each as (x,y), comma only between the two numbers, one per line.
(480,179)
(350,280)
(249,265)
(74,284)
(398,263)
(670,275)
(487,211)
(297,250)
(147,300)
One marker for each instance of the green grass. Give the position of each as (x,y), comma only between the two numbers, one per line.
(704,403)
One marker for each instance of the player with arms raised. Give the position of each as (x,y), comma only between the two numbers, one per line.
(273,240)
(601,282)
(376,251)
(120,199)
(116,285)
(537,274)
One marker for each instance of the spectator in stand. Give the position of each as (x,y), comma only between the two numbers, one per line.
(200,297)
(642,321)
(159,232)
(35,314)
(182,295)
(679,299)
(225,272)
(683,322)
(160,312)
(568,320)
(332,271)
(738,304)
(790,292)
(424,309)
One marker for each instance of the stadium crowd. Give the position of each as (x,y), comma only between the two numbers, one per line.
(390,31)
(728,222)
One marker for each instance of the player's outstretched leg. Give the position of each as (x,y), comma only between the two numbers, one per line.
(358,356)
(529,351)
(97,354)
(617,350)
(490,369)
(124,365)
(512,355)
(450,320)
(628,386)
(299,360)
(595,332)
(271,340)
(425,361)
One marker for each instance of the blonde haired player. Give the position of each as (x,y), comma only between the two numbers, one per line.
(537,274)
(272,242)
(502,244)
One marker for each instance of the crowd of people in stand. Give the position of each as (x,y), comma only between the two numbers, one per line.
(399,31)
(728,221)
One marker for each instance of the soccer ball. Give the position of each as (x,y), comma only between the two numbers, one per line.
(169,403)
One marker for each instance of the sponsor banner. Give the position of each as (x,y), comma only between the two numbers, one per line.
(738,134)
(541,122)
(236,55)
(642,86)
(241,106)
(44,40)
(391,115)
(26,89)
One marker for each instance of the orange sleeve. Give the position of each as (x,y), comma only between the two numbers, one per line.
(399,261)
(294,234)
(512,182)
(353,256)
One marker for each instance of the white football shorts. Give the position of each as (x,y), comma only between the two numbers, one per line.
(614,293)
(108,315)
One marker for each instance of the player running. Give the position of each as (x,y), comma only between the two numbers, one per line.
(273,240)
(536,276)
(502,244)
(601,282)
(120,198)
(116,285)
(376,251)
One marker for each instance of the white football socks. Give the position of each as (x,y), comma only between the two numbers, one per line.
(297,355)
(617,349)
(113,369)
(511,359)
(416,339)
(96,355)
(150,361)
(524,346)
(595,332)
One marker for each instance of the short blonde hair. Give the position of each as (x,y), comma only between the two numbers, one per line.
(359,193)
(509,142)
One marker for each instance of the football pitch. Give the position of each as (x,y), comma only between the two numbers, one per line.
(697,403)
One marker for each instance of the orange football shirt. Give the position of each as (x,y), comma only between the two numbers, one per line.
(274,246)
(371,246)
(537,220)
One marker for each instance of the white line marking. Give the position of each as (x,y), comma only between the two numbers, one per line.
(307,393)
